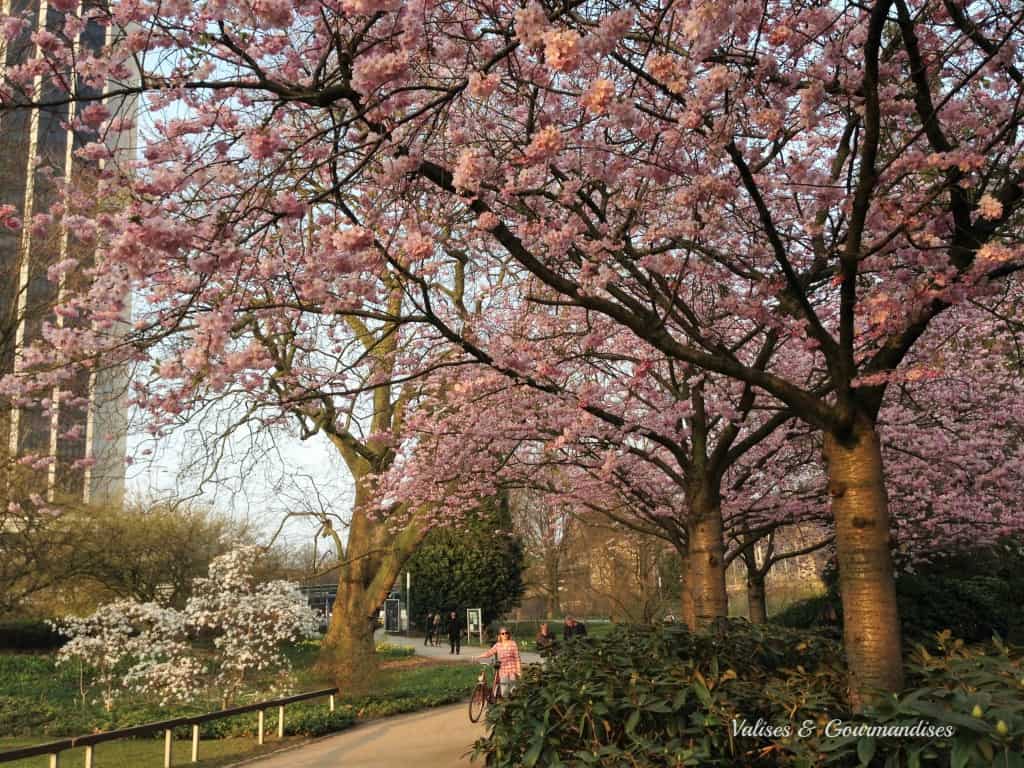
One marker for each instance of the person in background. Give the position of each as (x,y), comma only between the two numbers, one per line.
(573,629)
(546,642)
(428,630)
(510,666)
(437,628)
(454,633)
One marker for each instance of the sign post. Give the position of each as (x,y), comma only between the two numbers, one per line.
(408,602)
(474,623)
(392,615)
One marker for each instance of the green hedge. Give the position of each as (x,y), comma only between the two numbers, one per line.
(29,635)
(974,595)
(661,697)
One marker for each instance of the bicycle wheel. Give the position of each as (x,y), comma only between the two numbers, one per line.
(477,702)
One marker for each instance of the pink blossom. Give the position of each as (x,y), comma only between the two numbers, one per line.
(94,151)
(469,171)
(989,207)
(481,86)
(598,96)
(352,240)
(95,114)
(8,218)
(562,49)
(288,205)
(545,144)
(530,24)
(263,143)
(13,27)
(374,70)
(417,247)
(275,13)
(487,221)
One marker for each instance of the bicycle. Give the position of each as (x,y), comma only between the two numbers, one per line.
(486,693)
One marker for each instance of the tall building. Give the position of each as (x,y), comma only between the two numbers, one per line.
(85,419)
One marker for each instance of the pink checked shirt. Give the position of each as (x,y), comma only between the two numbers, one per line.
(508,656)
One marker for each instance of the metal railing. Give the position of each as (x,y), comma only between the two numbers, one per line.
(53,749)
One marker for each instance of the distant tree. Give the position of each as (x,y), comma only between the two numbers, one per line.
(477,564)
(545,530)
(154,551)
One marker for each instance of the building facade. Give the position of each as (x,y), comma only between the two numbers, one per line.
(81,428)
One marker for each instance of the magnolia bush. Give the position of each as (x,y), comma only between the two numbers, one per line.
(146,648)
(250,621)
(122,643)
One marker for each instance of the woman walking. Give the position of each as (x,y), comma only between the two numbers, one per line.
(507,653)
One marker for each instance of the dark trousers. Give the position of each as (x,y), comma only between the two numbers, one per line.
(455,642)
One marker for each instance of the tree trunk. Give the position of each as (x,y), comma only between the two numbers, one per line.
(686,594)
(348,652)
(757,604)
(552,606)
(707,560)
(373,560)
(871,626)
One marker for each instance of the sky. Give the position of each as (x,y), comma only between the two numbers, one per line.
(255,479)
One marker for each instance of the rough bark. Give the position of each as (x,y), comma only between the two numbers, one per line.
(757,604)
(686,594)
(871,627)
(348,651)
(706,560)
(373,561)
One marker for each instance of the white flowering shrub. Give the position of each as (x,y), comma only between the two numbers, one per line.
(135,646)
(144,647)
(251,622)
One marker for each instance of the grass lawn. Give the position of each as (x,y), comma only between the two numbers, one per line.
(39,702)
(139,753)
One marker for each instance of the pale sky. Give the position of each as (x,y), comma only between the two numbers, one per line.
(257,481)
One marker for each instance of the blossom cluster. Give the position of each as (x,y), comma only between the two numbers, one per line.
(146,648)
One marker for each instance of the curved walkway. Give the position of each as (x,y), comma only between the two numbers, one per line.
(435,738)
(443,652)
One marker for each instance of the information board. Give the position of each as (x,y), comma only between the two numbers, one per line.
(392,615)
(474,623)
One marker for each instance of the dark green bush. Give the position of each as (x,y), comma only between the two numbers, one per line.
(29,635)
(972,594)
(20,715)
(976,692)
(662,697)
(316,722)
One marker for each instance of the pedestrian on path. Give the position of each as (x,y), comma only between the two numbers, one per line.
(506,651)
(546,642)
(437,628)
(454,633)
(573,629)
(429,630)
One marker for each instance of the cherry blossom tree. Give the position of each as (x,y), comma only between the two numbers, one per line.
(841,173)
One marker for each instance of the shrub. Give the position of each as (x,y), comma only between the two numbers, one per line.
(976,695)
(20,715)
(29,635)
(974,600)
(316,722)
(663,697)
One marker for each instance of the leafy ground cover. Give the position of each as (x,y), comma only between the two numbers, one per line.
(139,753)
(41,702)
(660,697)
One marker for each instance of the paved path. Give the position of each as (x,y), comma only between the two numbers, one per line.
(435,738)
(443,652)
